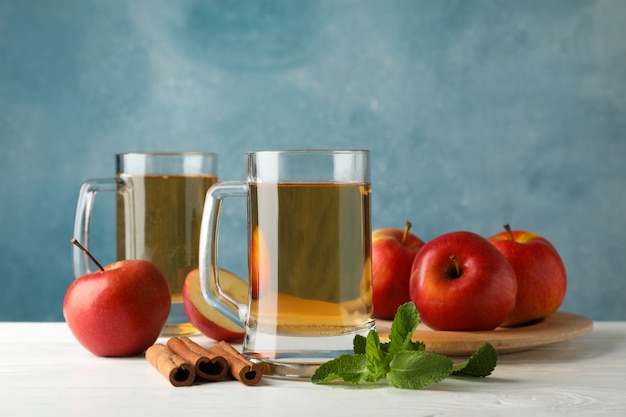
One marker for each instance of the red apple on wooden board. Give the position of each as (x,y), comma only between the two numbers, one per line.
(118,310)
(540,272)
(393,251)
(460,281)
(206,318)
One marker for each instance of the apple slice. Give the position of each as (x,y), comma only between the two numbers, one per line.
(259,263)
(203,316)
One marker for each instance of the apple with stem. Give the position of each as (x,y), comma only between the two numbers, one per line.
(540,272)
(118,310)
(393,251)
(460,281)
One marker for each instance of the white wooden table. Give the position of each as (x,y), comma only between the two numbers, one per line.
(45,372)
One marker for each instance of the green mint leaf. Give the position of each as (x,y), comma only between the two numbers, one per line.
(480,364)
(402,328)
(416,346)
(376,358)
(372,346)
(358,344)
(417,369)
(350,368)
(411,346)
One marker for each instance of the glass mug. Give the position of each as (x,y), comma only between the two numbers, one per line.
(159,202)
(309,257)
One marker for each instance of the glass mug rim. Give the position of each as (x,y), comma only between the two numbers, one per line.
(166,163)
(157,154)
(304,151)
(308,166)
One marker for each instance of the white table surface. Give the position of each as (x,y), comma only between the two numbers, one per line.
(45,372)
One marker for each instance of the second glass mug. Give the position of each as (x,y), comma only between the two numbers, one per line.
(309,257)
(159,202)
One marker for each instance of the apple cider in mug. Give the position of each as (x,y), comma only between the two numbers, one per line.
(165,213)
(310,263)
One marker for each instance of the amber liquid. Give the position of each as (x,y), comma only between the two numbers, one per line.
(159,220)
(318,283)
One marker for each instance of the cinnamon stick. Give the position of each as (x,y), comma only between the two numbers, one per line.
(179,372)
(207,365)
(242,369)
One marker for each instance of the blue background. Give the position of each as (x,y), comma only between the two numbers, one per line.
(477,113)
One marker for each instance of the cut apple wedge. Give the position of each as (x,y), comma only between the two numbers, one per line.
(203,316)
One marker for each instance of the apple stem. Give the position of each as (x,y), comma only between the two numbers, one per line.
(77,243)
(509,232)
(457,265)
(407,227)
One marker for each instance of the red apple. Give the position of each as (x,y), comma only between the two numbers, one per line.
(460,281)
(541,276)
(393,251)
(259,263)
(203,316)
(119,310)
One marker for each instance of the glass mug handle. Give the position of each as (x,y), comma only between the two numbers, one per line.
(209,267)
(82,220)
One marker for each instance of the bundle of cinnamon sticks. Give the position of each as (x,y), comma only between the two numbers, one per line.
(182,361)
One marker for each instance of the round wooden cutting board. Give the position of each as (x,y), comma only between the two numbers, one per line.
(558,327)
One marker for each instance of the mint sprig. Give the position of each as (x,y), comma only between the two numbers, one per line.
(403,362)
(480,364)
